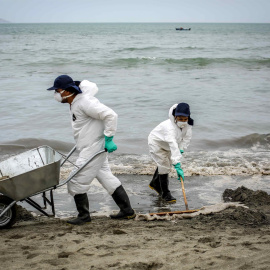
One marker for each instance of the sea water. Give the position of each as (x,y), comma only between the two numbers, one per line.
(221,70)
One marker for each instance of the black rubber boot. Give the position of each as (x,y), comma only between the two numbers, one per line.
(166,194)
(121,199)
(82,205)
(155,184)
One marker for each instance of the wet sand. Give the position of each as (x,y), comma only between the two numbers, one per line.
(236,238)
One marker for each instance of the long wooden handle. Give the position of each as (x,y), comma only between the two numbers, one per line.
(184,193)
(174,212)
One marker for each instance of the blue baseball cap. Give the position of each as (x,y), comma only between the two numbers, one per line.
(182,109)
(64,82)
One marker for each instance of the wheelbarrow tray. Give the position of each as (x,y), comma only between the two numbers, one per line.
(30,172)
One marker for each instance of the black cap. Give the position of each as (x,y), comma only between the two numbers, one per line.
(182,109)
(64,82)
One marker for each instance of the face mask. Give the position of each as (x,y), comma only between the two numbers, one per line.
(181,124)
(59,98)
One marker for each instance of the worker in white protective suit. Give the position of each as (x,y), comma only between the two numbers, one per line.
(94,126)
(167,143)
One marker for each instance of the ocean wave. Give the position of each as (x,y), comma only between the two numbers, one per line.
(231,162)
(133,61)
(132,49)
(202,62)
(203,163)
(153,48)
(130,62)
(247,155)
(260,48)
(198,62)
(20,145)
(252,141)
(191,48)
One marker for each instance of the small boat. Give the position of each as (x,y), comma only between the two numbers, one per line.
(181,29)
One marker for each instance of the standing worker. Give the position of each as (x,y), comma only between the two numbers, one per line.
(94,126)
(167,143)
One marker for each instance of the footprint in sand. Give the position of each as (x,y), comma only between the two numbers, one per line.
(88,254)
(61,234)
(31,256)
(17,236)
(77,241)
(211,241)
(143,265)
(64,254)
(102,246)
(225,258)
(114,264)
(25,247)
(118,231)
(106,254)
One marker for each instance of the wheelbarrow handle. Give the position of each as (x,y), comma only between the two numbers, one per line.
(80,168)
(69,154)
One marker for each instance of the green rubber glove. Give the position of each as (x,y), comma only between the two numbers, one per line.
(179,171)
(109,144)
(181,151)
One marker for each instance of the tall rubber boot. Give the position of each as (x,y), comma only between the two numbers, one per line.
(121,199)
(166,194)
(82,205)
(155,184)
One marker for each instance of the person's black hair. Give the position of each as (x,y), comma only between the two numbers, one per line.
(190,121)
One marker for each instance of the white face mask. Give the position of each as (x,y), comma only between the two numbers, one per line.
(181,124)
(59,98)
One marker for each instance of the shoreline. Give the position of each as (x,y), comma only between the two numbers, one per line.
(236,238)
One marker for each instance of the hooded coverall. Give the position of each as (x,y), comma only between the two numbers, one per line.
(90,121)
(165,142)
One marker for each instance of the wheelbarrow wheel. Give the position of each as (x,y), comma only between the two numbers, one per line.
(9,218)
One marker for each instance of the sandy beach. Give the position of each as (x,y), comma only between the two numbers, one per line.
(236,238)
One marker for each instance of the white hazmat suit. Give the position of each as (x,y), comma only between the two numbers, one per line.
(165,142)
(91,120)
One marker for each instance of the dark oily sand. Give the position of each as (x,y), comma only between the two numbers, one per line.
(257,214)
(253,199)
(23,214)
(237,238)
(258,202)
(240,215)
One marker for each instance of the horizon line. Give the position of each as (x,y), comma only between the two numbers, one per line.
(8,22)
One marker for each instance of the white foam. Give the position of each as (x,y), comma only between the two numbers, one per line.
(231,162)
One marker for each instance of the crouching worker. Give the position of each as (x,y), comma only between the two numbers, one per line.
(94,126)
(167,143)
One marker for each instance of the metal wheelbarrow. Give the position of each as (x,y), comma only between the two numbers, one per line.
(28,174)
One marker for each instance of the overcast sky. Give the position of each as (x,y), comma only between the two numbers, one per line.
(23,11)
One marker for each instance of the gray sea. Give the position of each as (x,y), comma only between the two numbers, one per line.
(221,70)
